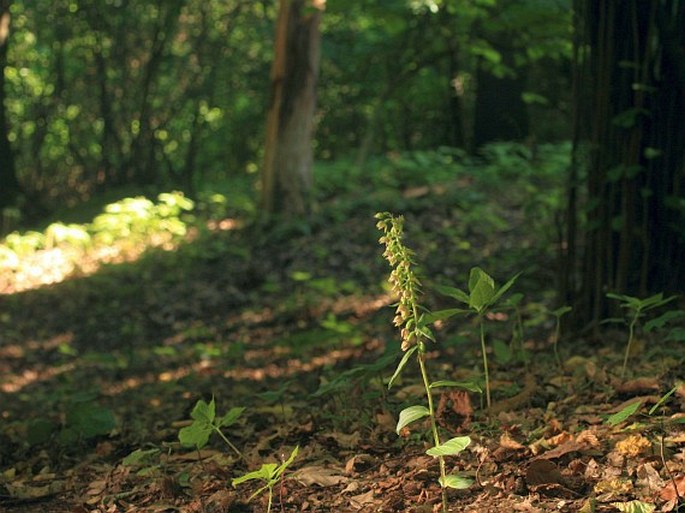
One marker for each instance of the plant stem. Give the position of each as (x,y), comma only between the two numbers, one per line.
(557,334)
(631,335)
(228,442)
(434,426)
(271,493)
(485,361)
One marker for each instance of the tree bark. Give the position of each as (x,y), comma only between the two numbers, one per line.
(9,184)
(287,169)
(635,188)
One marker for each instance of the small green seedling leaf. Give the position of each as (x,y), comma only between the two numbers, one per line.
(466,385)
(504,288)
(204,412)
(139,457)
(411,414)
(401,365)
(561,311)
(482,288)
(456,482)
(622,415)
(453,292)
(231,417)
(196,435)
(265,473)
(450,447)
(442,315)
(663,399)
(662,320)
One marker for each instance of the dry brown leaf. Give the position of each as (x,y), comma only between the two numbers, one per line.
(560,439)
(639,385)
(633,446)
(507,442)
(361,500)
(322,476)
(344,440)
(648,477)
(668,492)
(542,471)
(588,439)
(558,452)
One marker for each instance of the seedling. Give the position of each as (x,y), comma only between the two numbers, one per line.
(270,474)
(636,308)
(558,314)
(413,321)
(481,298)
(205,423)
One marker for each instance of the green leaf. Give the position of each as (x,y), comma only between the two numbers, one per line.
(622,415)
(230,417)
(503,289)
(450,447)
(281,468)
(561,311)
(401,365)
(663,319)
(466,385)
(204,412)
(482,288)
(265,473)
(139,457)
(411,414)
(453,292)
(663,399)
(456,482)
(442,315)
(196,435)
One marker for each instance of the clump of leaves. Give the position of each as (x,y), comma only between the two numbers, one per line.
(413,321)
(270,474)
(636,308)
(205,422)
(482,296)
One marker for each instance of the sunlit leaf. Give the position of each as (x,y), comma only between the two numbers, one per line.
(450,447)
(230,417)
(411,414)
(466,385)
(401,365)
(622,415)
(456,482)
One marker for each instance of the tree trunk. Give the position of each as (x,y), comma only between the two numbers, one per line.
(9,185)
(287,170)
(635,187)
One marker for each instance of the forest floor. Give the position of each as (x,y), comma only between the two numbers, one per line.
(99,373)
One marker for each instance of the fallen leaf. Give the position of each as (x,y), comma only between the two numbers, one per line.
(668,492)
(639,385)
(633,446)
(542,471)
(322,476)
(361,500)
(507,442)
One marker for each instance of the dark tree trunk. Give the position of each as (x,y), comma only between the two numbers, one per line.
(9,185)
(500,113)
(287,170)
(635,189)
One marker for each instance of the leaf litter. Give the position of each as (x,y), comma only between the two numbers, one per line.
(151,338)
